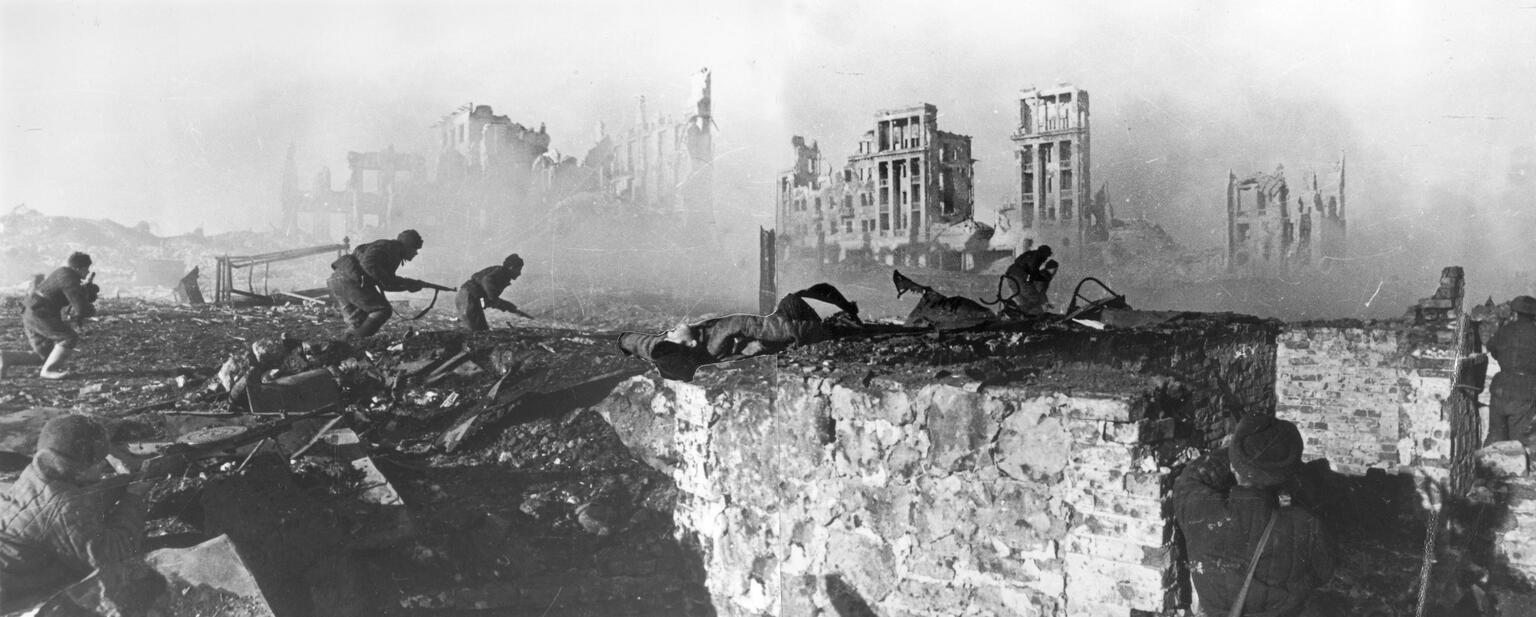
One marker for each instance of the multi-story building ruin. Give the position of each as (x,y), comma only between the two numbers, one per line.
(659,162)
(486,169)
(484,163)
(893,201)
(1272,231)
(1055,204)
(380,186)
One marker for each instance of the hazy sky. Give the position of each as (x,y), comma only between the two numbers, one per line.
(181,112)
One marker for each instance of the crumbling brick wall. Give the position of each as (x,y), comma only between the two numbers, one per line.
(810,481)
(1384,394)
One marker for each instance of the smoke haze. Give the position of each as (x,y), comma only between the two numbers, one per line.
(181,113)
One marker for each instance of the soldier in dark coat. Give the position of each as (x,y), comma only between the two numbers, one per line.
(1027,281)
(1224,501)
(358,281)
(483,291)
(1512,395)
(57,523)
(679,352)
(49,333)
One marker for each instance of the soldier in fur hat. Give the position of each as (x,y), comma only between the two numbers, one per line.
(1227,501)
(57,523)
(1512,395)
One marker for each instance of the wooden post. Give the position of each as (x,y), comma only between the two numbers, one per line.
(767,289)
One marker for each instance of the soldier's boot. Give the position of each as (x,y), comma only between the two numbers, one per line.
(371,324)
(52,368)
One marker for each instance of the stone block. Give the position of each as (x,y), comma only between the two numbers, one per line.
(1153,532)
(1080,542)
(866,563)
(1001,600)
(1124,409)
(1102,581)
(1109,456)
(1032,447)
(1150,484)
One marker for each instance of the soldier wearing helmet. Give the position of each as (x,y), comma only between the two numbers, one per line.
(358,281)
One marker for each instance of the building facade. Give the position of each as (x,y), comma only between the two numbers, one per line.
(1273,231)
(895,200)
(663,163)
(1055,205)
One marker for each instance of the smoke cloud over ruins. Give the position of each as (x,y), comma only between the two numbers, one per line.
(862,307)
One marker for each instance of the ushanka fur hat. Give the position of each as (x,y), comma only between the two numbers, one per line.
(1266,451)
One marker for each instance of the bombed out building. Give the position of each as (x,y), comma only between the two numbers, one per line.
(662,163)
(904,198)
(1051,144)
(381,186)
(1273,231)
(484,163)
(487,172)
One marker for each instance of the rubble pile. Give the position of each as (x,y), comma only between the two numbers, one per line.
(534,507)
(135,261)
(1022,468)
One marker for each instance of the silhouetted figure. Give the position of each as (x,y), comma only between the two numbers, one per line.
(1024,285)
(358,281)
(483,290)
(1512,395)
(43,313)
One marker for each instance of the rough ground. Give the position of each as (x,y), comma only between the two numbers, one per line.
(541,512)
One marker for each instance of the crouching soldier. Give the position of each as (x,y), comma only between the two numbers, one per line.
(58,523)
(358,281)
(1028,280)
(1245,547)
(43,315)
(1512,395)
(483,291)
(679,352)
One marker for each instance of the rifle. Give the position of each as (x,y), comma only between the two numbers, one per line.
(516,311)
(179,455)
(425,285)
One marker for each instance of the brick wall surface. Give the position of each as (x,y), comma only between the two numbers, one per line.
(933,501)
(965,474)
(1384,395)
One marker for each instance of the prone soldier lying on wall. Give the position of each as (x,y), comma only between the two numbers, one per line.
(679,352)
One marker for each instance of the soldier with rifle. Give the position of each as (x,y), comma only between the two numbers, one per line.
(358,281)
(65,517)
(483,291)
(67,297)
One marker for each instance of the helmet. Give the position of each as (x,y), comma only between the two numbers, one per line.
(1523,304)
(410,238)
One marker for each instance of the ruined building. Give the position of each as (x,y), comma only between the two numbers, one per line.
(898,200)
(663,164)
(1055,204)
(381,187)
(484,162)
(488,172)
(1271,232)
